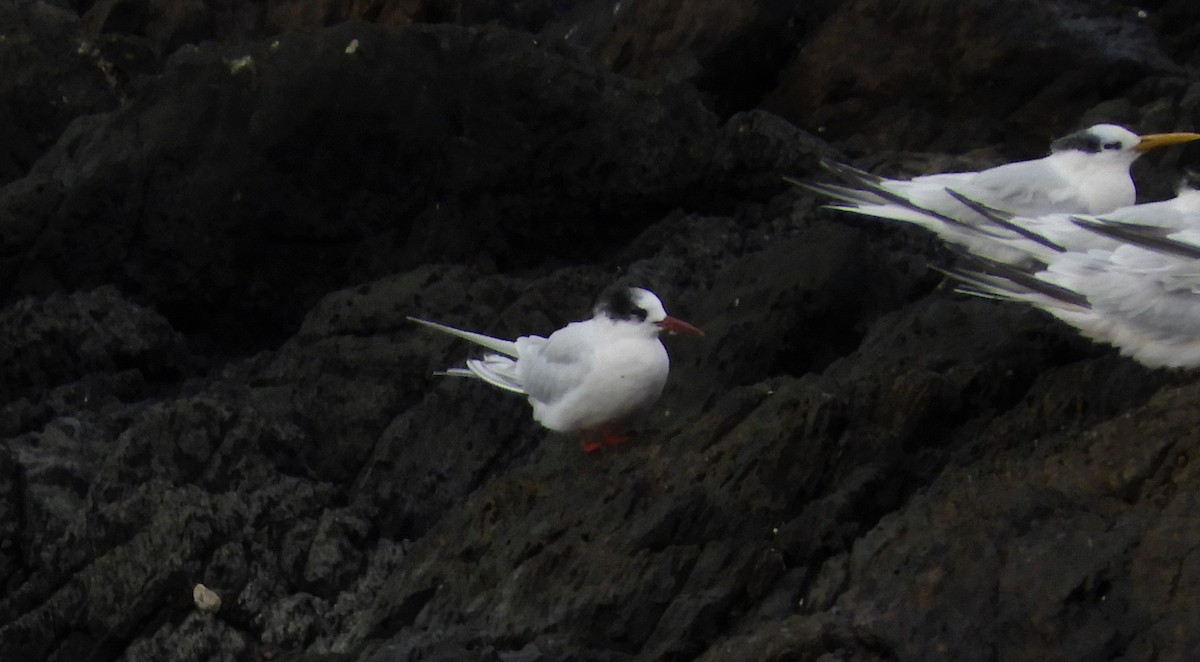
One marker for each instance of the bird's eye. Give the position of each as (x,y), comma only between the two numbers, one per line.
(1113,145)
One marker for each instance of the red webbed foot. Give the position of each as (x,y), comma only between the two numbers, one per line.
(594,440)
(614,439)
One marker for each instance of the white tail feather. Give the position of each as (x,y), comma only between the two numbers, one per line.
(505,347)
(499,371)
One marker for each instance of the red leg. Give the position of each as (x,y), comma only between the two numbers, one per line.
(609,438)
(590,445)
(595,439)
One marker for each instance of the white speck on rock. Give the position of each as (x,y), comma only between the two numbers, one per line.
(206,599)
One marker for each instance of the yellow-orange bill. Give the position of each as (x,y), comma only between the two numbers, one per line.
(1155,140)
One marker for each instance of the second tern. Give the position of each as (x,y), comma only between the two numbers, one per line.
(1086,172)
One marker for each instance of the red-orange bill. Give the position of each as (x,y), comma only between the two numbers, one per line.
(678,326)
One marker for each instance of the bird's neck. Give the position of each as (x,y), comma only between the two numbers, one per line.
(1102,180)
(1072,160)
(627,328)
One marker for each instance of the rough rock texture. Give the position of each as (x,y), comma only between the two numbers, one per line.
(957,70)
(52,74)
(216,216)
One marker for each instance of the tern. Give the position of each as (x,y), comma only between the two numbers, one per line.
(589,376)
(1025,239)
(1143,296)
(1086,172)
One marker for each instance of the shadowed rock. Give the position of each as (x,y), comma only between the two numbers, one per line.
(207,376)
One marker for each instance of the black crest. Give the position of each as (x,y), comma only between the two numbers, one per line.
(618,303)
(1082,141)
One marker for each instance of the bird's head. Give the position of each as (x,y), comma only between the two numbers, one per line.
(1110,141)
(640,306)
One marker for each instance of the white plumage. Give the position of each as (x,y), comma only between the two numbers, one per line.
(588,376)
(1087,172)
(1143,295)
(1023,239)
(1062,233)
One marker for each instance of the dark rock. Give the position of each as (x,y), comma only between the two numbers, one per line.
(10,517)
(208,375)
(1049,551)
(1176,23)
(333,557)
(66,338)
(729,50)
(166,25)
(198,638)
(51,76)
(451,155)
(54,469)
(292,622)
(939,75)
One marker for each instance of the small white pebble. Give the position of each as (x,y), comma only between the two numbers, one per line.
(206,599)
(1142,13)
(352,47)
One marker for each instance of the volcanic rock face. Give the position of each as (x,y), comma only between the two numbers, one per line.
(216,216)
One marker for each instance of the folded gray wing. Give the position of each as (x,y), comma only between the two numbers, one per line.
(1026,187)
(550,368)
(1149,237)
(1159,308)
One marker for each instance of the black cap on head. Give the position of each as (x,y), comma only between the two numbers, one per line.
(1083,141)
(1112,138)
(619,303)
